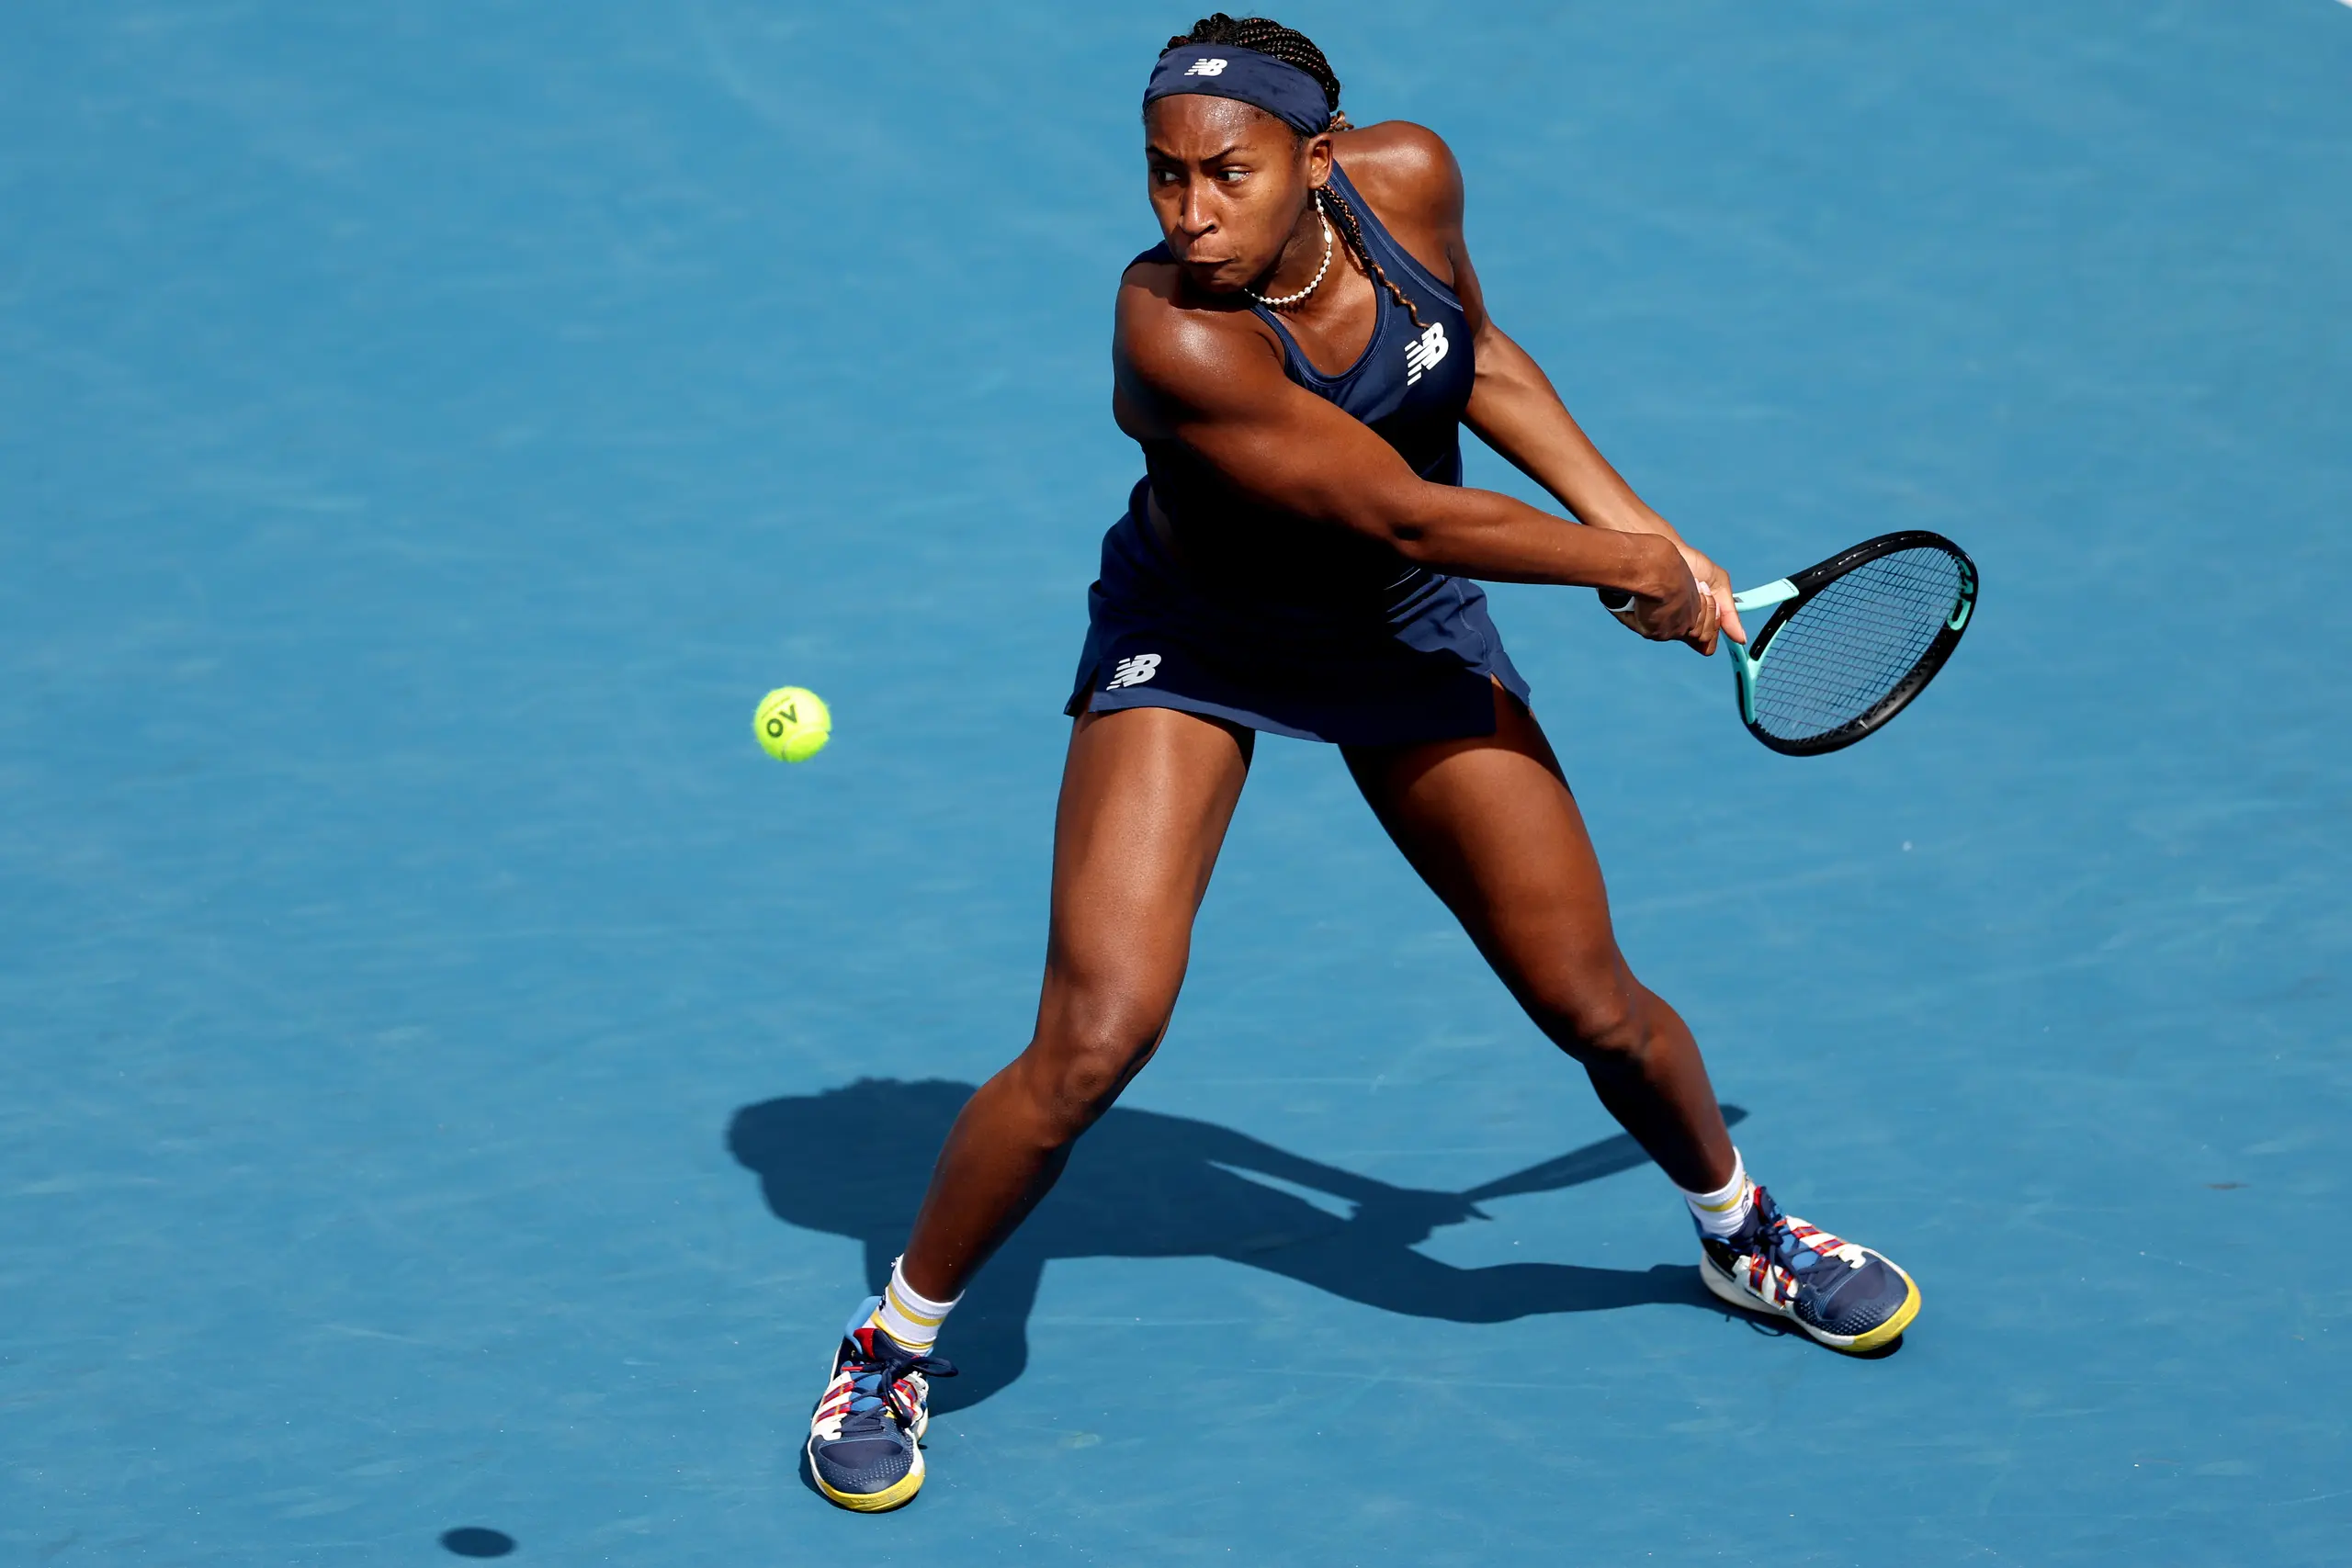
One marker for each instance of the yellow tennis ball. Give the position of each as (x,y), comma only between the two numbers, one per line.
(793,724)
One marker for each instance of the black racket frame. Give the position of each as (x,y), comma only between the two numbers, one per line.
(1810,583)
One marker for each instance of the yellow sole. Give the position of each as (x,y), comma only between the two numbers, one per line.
(880,1501)
(1887,1332)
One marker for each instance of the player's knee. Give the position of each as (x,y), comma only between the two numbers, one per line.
(1596,1012)
(1076,1069)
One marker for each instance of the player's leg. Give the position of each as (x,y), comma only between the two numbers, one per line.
(1490,824)
(1491,827)
(1146,795)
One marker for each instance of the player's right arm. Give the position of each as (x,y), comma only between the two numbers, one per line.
(1214,382)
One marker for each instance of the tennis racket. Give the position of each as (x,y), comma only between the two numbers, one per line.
(1850,642)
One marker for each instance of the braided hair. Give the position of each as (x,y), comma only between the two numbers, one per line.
(1296,49)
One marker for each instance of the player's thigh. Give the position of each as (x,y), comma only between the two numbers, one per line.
(1147,796)
(1490,825)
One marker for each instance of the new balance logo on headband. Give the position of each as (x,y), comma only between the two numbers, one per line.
(1206,67)
(1425,351)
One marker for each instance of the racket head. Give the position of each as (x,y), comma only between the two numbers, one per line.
(1866,632)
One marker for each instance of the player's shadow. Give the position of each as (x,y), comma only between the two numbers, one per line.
(854,1161)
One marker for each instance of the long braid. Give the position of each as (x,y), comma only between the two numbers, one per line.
(1354,237)
(1296,49)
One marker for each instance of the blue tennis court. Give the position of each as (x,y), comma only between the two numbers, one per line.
(459,1083)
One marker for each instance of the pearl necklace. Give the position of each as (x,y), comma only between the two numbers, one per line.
(1278,301)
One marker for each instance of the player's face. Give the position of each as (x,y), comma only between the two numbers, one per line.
(1229,183)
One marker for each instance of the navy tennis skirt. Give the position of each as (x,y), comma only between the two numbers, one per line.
(1419,666)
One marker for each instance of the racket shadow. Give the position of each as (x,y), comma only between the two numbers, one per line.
(854,1162)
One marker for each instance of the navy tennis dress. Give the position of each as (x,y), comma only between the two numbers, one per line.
(1296,627)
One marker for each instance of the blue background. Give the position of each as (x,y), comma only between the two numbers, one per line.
(425,435)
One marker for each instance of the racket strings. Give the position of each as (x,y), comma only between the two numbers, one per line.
(1847,648)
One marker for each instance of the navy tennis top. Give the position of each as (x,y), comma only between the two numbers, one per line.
(1411,385)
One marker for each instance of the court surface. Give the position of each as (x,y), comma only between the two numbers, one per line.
(457,1083)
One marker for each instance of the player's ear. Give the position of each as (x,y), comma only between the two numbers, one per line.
(1318,160)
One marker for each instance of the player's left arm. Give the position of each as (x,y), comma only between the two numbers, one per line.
(1515,409)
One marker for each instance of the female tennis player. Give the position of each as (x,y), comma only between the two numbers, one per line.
(1296,359)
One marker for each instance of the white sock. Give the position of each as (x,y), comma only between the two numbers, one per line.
(1726,1208)
(910,1318)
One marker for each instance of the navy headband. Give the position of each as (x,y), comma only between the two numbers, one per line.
(1227,70)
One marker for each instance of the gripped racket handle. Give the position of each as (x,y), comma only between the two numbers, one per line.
(1618,602)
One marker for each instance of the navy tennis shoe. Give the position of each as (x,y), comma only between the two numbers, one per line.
(865,1437)
(1845,1295)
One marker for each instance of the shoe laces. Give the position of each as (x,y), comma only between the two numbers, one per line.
(874,1369)
(1785,1239)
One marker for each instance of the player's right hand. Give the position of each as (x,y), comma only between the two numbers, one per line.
(1685,612)
(1695,611)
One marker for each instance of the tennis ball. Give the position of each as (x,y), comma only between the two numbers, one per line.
(793,724)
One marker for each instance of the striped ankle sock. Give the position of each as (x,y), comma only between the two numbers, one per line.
(907,1316)
(1724,1210)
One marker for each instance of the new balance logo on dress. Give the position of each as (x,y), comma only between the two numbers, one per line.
(1206,67)
(1425,351)
(1134,670)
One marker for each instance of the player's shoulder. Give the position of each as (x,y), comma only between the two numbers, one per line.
(1404,169)
(1167,342)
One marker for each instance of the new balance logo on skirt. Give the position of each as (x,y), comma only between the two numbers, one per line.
(1425,351)
(1134,671)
